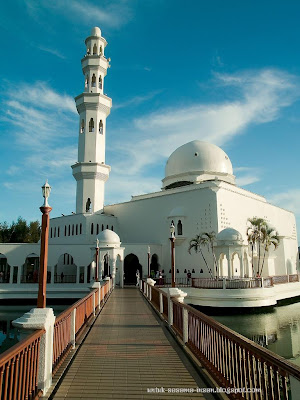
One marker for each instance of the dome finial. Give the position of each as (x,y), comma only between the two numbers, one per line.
(96,31)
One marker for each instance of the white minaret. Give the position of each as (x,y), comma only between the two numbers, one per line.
(93,107)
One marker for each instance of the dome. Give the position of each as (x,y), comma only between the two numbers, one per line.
(195,162)
(229,235)
(109,237)
(96,31)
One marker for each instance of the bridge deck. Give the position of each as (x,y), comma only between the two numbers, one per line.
(127,352)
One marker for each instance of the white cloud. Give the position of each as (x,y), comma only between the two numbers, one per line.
(290,200)
(137,100)
(246,175)
(261,96)
(51,51)
(114,15)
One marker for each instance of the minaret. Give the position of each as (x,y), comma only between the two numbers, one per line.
(93,107)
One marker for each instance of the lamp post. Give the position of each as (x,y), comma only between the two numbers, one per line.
(172,239)
(148,261)
(97,261)
(45,209)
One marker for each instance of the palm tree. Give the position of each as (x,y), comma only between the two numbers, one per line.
(208,238)
(255,234)
(270,238)
(196,244)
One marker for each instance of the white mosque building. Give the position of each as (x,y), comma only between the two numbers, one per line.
(198,194)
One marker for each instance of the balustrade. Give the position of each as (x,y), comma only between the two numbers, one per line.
(233,360)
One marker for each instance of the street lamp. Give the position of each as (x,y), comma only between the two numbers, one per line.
(172,239)
(97,261)
(148,261)
(45,209)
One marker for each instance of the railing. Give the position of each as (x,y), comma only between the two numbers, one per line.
(233,360)
(207,283)
(294,278)
(65,279)
(280,279)
(181,282)
(165,305)
(19,369)
(69,324)
(155,297)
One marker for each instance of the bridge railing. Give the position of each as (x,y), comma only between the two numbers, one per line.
(19,369)
(234,361)
(23,372)
(70,323)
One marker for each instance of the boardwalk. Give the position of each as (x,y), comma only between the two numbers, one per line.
(127,352)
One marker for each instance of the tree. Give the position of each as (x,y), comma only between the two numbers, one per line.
(208,238)
(270,238)
(20,232)
(255,237)
(196,244)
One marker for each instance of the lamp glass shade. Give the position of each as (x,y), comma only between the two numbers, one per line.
(172,230)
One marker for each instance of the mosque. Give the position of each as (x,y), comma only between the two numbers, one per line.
(198,194)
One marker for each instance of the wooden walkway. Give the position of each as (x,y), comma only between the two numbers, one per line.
(127,353)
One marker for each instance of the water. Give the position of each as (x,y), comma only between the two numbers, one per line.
(277,330)
(9,335)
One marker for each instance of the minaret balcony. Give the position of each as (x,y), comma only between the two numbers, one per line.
(95,61)
(93,101)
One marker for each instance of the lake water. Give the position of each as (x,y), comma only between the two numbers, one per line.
(277,330)
(9,335)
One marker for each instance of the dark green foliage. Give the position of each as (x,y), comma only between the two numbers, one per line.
(20,232)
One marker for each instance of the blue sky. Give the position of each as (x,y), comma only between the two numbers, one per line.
(223,72)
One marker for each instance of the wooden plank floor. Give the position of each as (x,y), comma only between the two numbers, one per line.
(127,352)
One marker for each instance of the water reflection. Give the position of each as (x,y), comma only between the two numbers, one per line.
(278,330)
(9,335)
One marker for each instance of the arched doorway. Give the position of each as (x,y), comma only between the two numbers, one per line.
(154,265)
(4,269)
(65,270)
(31,269)
(131,264)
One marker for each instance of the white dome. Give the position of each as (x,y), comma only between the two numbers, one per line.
(108,237)
(197,161)
(96,31)
(229,235)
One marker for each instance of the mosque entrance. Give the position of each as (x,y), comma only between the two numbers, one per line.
(131,264)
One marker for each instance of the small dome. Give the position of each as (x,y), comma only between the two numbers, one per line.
(195,162)
(96,31)
(229,235)
(109,237)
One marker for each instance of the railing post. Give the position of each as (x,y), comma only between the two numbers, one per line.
(150,292)
(262,282)
(41,318)
(170,310)
(185,325)
(73,329)
(94,304)
(224,283)
(161,303)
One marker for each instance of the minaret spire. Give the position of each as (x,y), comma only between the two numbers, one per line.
(93,107)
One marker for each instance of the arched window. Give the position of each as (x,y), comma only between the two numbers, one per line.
(55,232)
(100,82)
(97,229)
(92,229)
(73,230)
(177,271)
(101,127)
(82,126)
(95,49)
(107,227)
(80,229)
(51,232)
(179,228)
(58,232)
(86,81)
(193,270)
(100,52)
(76,229)
(112,227)
(69,230)
(102,227)
(94,80)
(185,271)
(65,230)
(91,125)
